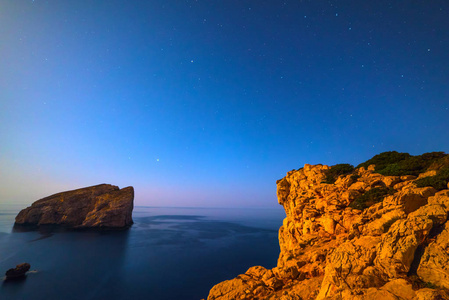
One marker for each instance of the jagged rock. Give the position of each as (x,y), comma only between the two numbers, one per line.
(442,198)
(346,264)
(282,190)
(435,212)
(18,272)
(427,294)
(434,264)
(245,285)
(385,218)
(100,206)
(329,250)
(410,198)
(427,174)
(395,289)
(396,251)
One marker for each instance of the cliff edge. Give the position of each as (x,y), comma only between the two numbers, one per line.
(358,235)
(100,206)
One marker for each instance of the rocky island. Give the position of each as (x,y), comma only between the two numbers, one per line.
(378,231)
(100,206)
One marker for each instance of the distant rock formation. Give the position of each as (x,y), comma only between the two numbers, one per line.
(100,206)
(339,242)
(18,272)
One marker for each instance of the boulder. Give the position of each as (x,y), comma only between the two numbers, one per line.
(17,272)
(244,286)
(393,290)
(346,265)
(434,265)
(428,294)
(397,248)
(100,206)
(381,224)
(442,198)
(411,198)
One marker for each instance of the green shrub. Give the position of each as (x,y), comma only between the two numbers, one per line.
(384,159)
(417,164)
(397,164)
(371,197)
(430,285)
(440,163)
(355,177)
(439,181)
(337,170)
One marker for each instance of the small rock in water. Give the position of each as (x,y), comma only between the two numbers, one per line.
(17,272)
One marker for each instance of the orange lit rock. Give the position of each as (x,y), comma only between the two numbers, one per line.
(442,198)
(100,206)
(345,266)
(427,174)
(396,251)
(434,265)
(329,250)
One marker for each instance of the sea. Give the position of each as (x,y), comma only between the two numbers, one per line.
(168,254)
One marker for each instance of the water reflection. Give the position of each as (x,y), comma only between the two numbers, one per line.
(166,254)
(13,287)
(70,264)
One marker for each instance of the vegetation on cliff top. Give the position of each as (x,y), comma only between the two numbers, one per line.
(438,181)
(371,197)
(393,163)
(337,170)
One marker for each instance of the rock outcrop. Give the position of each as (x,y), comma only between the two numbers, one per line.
(100,206)
(397,248)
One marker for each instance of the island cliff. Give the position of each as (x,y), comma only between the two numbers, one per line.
(100,206)
(357,235)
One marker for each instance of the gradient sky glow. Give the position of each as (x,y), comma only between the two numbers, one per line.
(208,103)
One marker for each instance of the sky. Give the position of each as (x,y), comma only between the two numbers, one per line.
(208,103)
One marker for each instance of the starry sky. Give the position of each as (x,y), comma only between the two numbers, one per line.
(208,103)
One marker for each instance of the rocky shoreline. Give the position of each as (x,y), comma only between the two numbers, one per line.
(338,242)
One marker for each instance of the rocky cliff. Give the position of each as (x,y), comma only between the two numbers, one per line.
(100,206)
(364,236)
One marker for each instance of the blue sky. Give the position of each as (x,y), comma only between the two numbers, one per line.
(208,103)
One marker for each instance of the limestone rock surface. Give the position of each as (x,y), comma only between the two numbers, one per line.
(397,248)
(434,265)
(100,206)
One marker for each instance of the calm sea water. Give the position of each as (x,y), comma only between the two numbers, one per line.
(169,253)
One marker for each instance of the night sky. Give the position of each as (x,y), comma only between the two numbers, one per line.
(208,103)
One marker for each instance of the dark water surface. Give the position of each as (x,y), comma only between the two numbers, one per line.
(169,253)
